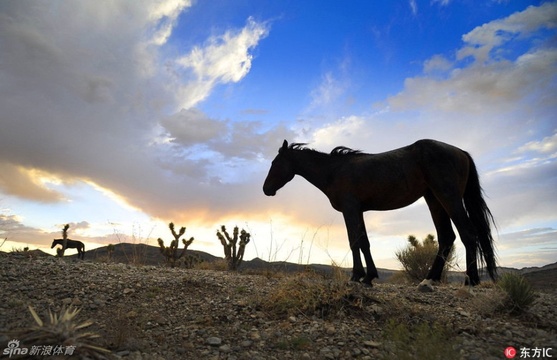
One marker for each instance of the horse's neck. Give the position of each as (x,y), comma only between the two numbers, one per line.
(315,168)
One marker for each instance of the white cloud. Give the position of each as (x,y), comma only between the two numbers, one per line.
(547,145)
(413,6)
(86,87)
(328,91)
(190,127)
(26,183)
(483,39)
(164,14)
(223,59)
(437,63)
(493,103)
(442,2)
(332,134)
(481,89)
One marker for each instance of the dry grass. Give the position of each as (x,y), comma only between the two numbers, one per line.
(218,265)
(310,294)
(421,341)
(512,294)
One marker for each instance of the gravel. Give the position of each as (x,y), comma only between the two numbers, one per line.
(148,312)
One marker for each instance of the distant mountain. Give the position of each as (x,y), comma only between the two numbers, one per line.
(137,254)
(142,254)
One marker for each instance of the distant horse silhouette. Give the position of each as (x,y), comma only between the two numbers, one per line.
(355,182)
(71,244)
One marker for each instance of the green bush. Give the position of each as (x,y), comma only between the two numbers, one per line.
(520,294)
(417,258)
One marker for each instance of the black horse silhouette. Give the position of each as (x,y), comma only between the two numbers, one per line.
(355,182)
(71,244)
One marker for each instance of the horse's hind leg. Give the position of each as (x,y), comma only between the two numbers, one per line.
(468,236)
(445,237)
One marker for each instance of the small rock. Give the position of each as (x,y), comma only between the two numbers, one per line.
(425,288)
(371,343)
(224,348)
(464,313)
(214,341)
(67,301)
(128,290)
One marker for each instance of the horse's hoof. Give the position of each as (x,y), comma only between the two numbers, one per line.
(426,286)
(367,284)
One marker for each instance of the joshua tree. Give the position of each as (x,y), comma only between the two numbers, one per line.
(233,255)
(60,252)
(171,252)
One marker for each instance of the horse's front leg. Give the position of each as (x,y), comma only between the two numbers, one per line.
(359,241)
(358,271)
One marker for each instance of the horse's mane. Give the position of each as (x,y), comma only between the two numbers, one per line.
(338,151)
(343,150)
(299,146)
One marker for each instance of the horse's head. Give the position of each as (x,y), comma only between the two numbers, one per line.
(54,243)
(280,173)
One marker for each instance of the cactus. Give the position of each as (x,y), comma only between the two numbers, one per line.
(171,253)
(232,254)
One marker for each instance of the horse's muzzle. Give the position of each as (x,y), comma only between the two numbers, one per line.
(269,192)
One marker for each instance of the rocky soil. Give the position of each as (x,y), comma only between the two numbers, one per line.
(148,312)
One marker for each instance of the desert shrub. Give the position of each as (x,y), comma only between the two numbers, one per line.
(310,294)
(218,265)
(420,341)
(192,260)
(520,294)
(417,258)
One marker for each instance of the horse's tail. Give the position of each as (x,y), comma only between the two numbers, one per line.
(481,218)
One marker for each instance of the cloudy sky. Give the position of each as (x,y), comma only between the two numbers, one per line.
(118,117)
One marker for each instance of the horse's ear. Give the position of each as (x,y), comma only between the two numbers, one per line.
(284,145)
